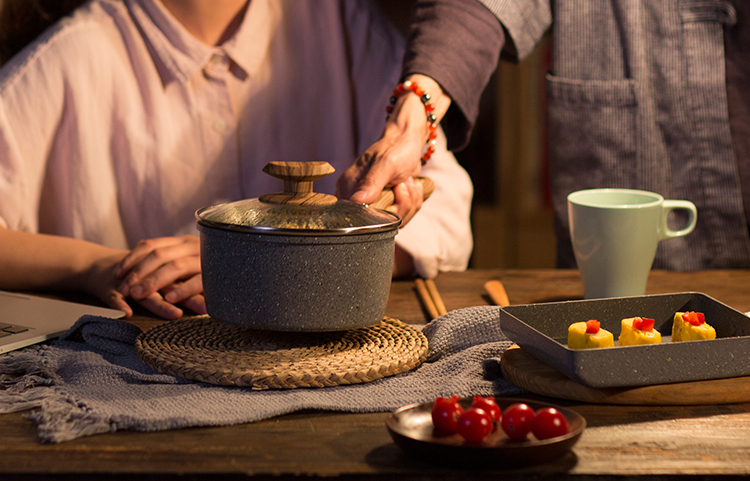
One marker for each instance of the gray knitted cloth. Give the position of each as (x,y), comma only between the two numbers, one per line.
(90,381)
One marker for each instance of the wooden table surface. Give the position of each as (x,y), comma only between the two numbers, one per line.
(619,441)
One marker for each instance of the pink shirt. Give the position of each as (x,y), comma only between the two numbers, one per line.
(116,124)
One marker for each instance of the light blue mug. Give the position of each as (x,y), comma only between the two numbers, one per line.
(615,233)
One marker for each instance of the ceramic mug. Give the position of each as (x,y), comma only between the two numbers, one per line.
(615,233)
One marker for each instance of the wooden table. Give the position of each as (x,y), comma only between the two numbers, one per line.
(619,441)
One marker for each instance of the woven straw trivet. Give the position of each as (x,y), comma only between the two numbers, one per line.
(206,350)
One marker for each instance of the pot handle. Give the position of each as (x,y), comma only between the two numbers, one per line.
(387,198)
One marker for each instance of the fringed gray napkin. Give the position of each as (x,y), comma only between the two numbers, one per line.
(90,381)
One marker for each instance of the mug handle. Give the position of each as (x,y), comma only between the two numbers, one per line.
(670,205)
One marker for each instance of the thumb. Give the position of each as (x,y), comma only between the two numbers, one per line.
(369,188)
(380,175)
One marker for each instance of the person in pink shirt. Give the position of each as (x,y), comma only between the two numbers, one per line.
(124,118)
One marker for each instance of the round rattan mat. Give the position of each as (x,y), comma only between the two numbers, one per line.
(206,350)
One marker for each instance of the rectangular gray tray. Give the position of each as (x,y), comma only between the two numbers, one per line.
(542,330)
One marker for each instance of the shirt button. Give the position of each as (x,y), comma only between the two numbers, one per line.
(219,61)
(220,125)
(216,67)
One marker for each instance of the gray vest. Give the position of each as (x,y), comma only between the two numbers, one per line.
(637,99)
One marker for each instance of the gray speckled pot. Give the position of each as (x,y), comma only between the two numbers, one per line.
(296,283)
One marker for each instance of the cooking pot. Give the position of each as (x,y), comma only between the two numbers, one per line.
(298,260)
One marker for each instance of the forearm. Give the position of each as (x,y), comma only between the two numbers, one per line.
(39,261)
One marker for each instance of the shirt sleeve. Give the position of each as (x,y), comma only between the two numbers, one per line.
(40,129)
(27,117)
(439,237)
(525,22)
(9,170)
(457,43)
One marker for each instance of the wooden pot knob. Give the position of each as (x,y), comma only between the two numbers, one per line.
(298,180)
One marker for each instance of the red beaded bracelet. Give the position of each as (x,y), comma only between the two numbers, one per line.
(429,108)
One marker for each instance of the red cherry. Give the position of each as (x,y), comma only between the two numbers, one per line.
(549,423)
(489,405)
(445,413)
(517,420)
(475,424)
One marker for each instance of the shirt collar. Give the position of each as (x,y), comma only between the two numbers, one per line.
(249,45)
(182,55)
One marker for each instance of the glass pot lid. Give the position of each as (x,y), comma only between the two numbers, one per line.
(298,210)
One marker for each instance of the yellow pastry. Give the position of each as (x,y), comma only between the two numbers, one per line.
(638,330)
(691,326)
(588,335)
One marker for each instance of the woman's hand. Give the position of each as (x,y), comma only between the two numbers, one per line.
(161,273)
(391,161)
(408,198)
(396,157)
(99,280)
(166,269)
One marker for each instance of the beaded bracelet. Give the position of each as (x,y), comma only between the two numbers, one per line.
(429,109)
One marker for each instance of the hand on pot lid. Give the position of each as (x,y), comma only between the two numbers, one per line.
(298,210)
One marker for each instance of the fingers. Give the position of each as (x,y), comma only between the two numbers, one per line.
(169,274)
(196,304)
(143,249)
(168,310)
(156,304)
(163,303)
(99,280)
(347,183)
(391,160)
(408,199)
(387,171)
(115,300)
(161,273)
(378,167)
(162,266)
(408,193)
(180,292)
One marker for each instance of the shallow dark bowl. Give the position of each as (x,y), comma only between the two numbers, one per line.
(411,429)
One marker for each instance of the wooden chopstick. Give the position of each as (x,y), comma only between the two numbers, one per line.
(435,294)
(497,293)
(430,298)
(426,299)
